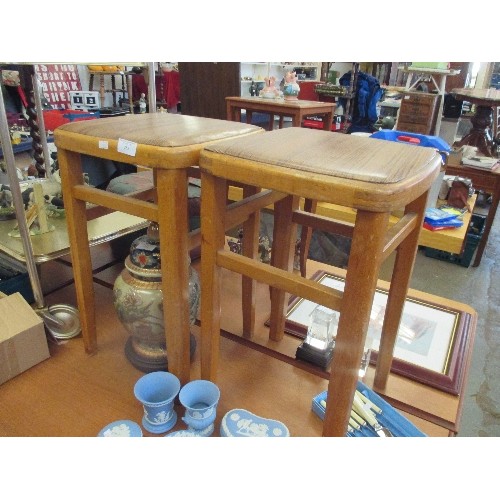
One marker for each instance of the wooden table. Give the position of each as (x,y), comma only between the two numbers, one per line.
(169,144)
(488,181)
(297,110)
(484,100)
(434,411)
(450,240)
(261,376)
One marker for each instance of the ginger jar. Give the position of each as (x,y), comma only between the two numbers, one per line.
(138,301)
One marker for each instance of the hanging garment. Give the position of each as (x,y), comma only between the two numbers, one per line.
(368,94)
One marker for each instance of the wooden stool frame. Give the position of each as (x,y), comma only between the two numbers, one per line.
(372,242)
(170,145)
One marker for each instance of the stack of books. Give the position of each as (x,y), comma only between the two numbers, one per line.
(437,219)
(482,162)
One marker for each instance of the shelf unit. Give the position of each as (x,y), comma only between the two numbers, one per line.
(348,96)
(41,248)
(257,71)
(125,89)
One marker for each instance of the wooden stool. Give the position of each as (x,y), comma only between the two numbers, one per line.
(372,176)
(169,144)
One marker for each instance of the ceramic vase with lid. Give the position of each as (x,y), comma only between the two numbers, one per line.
(138,300)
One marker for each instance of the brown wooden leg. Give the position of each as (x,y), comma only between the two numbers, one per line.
(400,281)
(495,198)
(70,168)
(102,90)
(271,121)
(480,136)
(173,226)
(283,253)
(213,207)
(250,245)
(305,237)
(361,279)
(327,121)
(130,94)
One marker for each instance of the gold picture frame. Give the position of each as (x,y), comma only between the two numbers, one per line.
(431,344)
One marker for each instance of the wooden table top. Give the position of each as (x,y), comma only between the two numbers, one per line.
(298,104)
(485,97)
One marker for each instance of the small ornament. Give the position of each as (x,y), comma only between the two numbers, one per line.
(269,91)
(142,104)
(291,88)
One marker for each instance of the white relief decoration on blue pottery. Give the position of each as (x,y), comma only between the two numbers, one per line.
(121,428)
(162,417)
(197,414)
(242,423)
(184,433)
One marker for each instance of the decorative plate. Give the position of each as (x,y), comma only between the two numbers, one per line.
(121,428)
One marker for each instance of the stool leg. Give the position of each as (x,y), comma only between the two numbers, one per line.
(364,263)
(305,237)
(70,167)
(250,245)
(213,207)
(400,280)
(173,227)
(283,253)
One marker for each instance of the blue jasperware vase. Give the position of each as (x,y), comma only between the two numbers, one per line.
(157,392)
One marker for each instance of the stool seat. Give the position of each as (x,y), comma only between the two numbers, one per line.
(169,145)
(374,178)
(309,163)
(160,137)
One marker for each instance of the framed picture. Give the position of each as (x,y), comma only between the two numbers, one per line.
(431,342)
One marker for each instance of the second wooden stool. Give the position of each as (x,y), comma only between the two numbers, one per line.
(372,176)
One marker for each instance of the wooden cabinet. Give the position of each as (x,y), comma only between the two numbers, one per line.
(205,86)
(418,112)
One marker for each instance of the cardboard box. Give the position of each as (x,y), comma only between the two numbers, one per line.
(23,342)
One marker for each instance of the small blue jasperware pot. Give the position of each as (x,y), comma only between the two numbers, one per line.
(200,399)
(157,392)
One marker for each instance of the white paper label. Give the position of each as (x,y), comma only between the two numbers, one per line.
(127,147)
(144,245)
(103,144)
